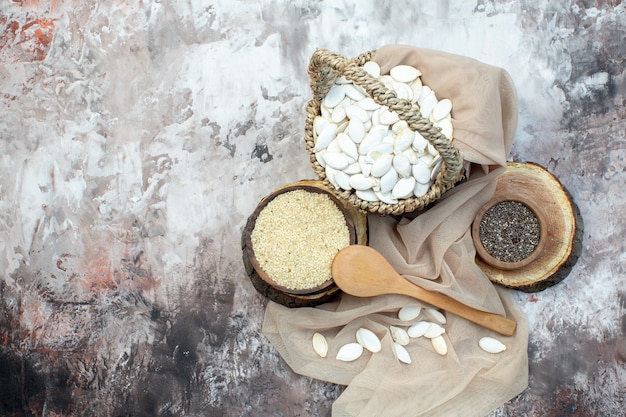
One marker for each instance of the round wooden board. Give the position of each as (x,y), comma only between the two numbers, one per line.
(562,239)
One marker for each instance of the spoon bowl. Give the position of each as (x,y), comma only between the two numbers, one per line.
(363,272)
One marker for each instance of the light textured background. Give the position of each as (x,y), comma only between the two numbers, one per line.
(136,137)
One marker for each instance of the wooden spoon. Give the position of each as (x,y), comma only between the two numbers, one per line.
(363,272)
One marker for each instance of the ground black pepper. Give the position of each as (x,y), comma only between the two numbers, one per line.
(509,231)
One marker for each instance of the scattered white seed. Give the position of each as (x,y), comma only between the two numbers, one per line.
(368,340)
(434,330)
(399,335)
(350,352)
(491,345)
(418,329)
(409,313)
(437,315)
(401,353)
(439,344)
(320,346)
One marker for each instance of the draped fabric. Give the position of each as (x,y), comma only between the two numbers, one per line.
(433,249)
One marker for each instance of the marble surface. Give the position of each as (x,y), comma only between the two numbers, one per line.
(137,137)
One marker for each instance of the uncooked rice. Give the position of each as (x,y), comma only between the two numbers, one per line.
(296,237)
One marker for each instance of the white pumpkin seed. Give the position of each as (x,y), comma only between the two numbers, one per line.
(336,160)
(338,115)
(350,352)
(387,81)
(421,172)
(361,182)
(402,165)
(404,140)
(399,126)
(368,104)
(437,315)
(403,188)
(356,130)
(355,112)
(434,330)
(333,147)
(435,170)
(402,91)
(442,109)
(409,313)
(416,86)
(319,124)
(387,117)
(386,198)
(446,127)
(330,175)
(353,168)
(355,92)
(381,165)
(367,195)
(379,150)
(319,156)
(324,138)
(418,329)
(325,111)
(491,345)
(439,344)
(426,91)
(399,335)
(335,95)
(427,105)
(368,340)
(371,139)
(342,127)
(343,180)
(401,353)
(375,117)
(404,73)
(388,181)
(347,146)
(411,155)
(372,68)
(420,189)
(320,346)
(419,143)
(365,166)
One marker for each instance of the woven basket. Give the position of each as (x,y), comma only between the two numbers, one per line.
(325,68)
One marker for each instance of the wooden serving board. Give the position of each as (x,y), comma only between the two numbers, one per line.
(561,240)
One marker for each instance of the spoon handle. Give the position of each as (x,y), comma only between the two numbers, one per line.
(491,321)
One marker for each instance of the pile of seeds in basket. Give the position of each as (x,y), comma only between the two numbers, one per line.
(366,147)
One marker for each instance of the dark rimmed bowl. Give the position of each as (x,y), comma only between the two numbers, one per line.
(356,221)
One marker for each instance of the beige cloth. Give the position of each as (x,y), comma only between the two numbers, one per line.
(434,250)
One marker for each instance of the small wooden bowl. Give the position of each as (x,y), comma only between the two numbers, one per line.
(356,222)
(560,222)
(505,196)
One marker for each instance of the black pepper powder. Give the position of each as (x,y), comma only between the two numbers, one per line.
(509,231)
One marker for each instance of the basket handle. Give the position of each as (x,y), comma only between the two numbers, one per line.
(326,66)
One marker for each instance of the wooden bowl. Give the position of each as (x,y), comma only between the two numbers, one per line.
(560,223)
(513,196)
(356,222)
